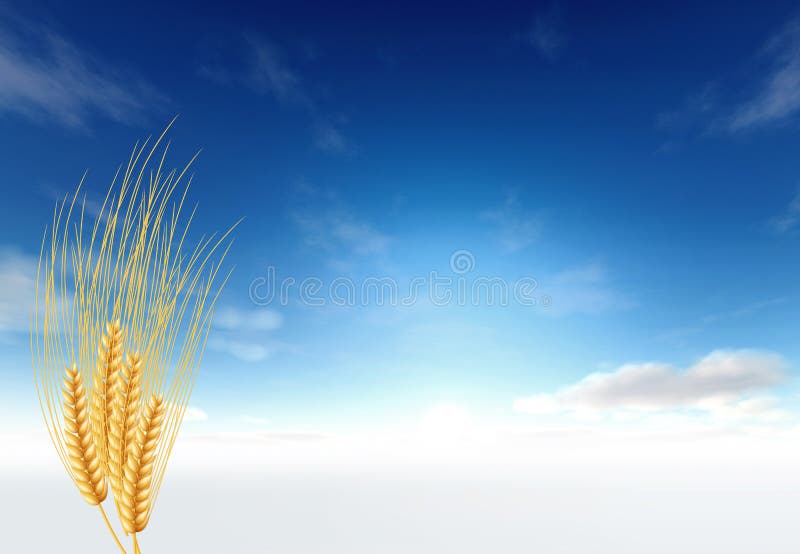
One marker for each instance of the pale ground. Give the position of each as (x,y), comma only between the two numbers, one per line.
(283,496)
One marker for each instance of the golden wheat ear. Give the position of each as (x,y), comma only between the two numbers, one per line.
(134,510)
(106,373)
(87,471)
(124,420)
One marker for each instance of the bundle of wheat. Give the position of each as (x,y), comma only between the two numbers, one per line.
(125,308)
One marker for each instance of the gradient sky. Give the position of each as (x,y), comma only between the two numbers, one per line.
(638,161)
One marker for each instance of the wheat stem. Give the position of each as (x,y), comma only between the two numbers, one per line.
(113,533)
(136,549)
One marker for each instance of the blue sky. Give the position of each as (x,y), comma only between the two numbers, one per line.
(637,161)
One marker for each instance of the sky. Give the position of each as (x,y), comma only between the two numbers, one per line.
(500,270)
(550,215)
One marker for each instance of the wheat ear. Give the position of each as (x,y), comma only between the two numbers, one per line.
(109,358)
(123,424)
(87,471)
(135,506)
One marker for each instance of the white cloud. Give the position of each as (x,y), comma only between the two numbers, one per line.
(762,408)
(719,383)
(47,78)
(261,319)
(17,290)
(779,95)
(193,413)
(517,228)
(789,219)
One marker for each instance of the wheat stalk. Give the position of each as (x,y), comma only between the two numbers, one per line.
(87,471)
(135,505)
(129,277)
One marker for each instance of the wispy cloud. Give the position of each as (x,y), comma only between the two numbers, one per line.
(772,97)
(693,115)
(270,74)
(745,310)
(329,138)
(516,227)
(547,34)
(253,420)
(245,334)
(328,223)
(789,219)
(778,96)
(720,384)
(244,350)
(678,334)
(233,319)
(585,289)
(263,67)
(90,204)
(17,290)
(47,78)
(193,414)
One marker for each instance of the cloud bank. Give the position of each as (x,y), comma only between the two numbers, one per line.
(718,383)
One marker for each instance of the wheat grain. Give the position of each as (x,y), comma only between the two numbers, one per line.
(136,483)
(104,378)
(123,423)
(87,471)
